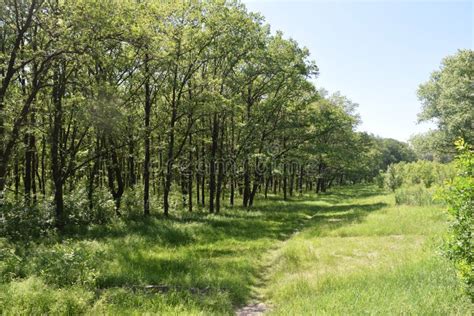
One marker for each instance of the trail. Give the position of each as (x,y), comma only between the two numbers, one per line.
(258,305)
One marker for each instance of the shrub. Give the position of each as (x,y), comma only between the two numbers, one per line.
(132,202)
(415,195)
(379,180)
(426,173)
(393,177)
(19,221)
(67,264)
(76,204)
(10,262)
(459,195)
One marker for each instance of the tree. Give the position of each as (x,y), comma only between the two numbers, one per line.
(447,97)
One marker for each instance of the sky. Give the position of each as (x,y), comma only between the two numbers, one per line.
(376,53)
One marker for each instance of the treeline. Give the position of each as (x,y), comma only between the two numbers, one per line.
(161,104)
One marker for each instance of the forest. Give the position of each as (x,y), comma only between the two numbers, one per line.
(176,157)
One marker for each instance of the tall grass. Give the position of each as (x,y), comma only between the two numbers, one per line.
(202,264)
(382,261)
(359,253)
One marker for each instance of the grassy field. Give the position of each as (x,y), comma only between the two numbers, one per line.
(361,254)
(349,252)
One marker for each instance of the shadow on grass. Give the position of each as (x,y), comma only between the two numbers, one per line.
(221,252)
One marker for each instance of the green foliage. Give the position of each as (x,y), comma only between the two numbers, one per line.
(379,180)
(414,183)
(210,263)
(447,97)
(417,194)
(393,176)
(76,205)
(32,296)
(19,221)
(459,196)
(10,262)
(67,263)
(22,222)
(365,255)
(431,146)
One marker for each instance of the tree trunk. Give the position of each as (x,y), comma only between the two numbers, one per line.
(28,167)
(190,176)
(292,178)
(212,162)
(92,176)
(198,177)
(131,156)
(114,173)
(220,171)
(246,193)
(300,180)
(146,163)
(56,153)
(285,180)
(203,177)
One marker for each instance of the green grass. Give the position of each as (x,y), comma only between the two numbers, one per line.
(364,255)
(356,253)
(208,263)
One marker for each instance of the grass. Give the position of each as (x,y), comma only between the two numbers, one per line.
(364,255)
(356,253)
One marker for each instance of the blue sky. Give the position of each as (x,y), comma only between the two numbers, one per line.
(375,52)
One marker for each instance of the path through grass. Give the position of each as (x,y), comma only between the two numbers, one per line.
(361,254)
(356,253)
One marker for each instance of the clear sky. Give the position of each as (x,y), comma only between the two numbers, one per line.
(375,52)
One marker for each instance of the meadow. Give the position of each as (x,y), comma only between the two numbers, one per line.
(352,251)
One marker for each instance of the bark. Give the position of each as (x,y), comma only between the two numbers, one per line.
(146,163)
(203,178)
(246,193)
(212,162)
(198,177)
(43,167)
(190,176)
(131,157)
(285,180)
(57,158)
(256,182)
(292,178)
(220,171)
(92,176)
(29,150)
(300,180)
(114,174)
(267,183)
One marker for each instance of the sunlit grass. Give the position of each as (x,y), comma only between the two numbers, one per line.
(367,256)
(355,253)
(208,264)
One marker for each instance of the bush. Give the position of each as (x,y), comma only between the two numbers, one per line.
(425,173)
(393,177)
(10,262)
(415,195)
(459,195)
(19,221)
(76,205)
(132,202)
(379,180)
(67,264)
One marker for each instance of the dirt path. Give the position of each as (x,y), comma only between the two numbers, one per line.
(258,306)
